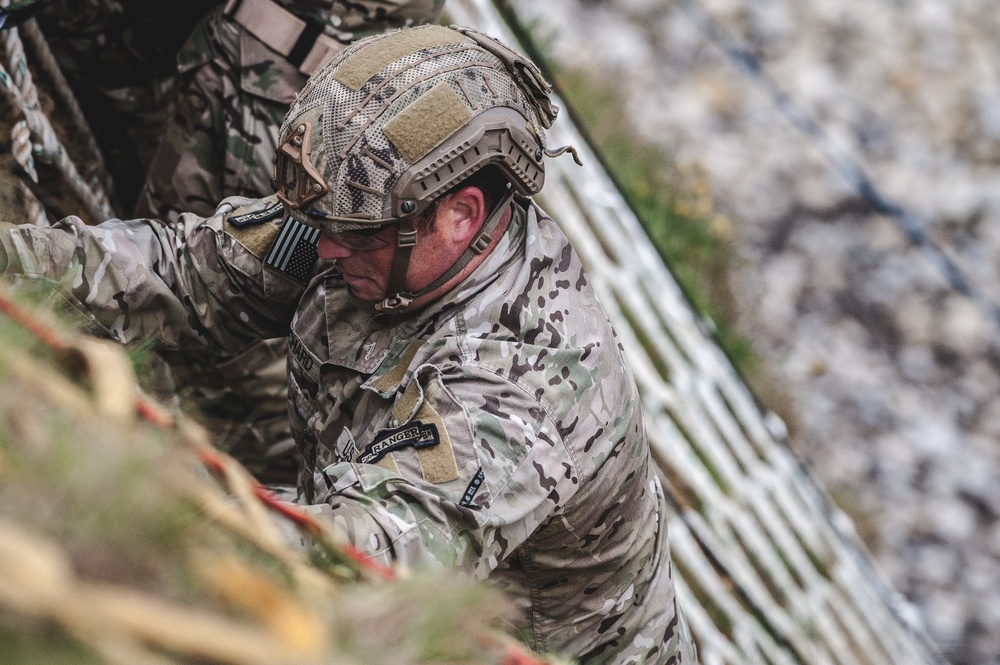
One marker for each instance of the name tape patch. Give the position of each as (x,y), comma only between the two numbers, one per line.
(302,355)
(256,217)
(415,434)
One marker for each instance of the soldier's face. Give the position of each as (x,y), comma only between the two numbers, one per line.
(366,271)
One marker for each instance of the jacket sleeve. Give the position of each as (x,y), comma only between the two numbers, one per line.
(492,470)
(186,284)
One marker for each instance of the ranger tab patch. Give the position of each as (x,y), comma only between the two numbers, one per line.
(414,433)
(294,250)
(257,216)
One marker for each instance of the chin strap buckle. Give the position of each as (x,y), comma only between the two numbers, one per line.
(394,303)
(406,237)
(480,244)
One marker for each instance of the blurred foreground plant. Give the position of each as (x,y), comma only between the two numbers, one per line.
(126,539)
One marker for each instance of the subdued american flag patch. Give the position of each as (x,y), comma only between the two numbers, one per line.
(294,250)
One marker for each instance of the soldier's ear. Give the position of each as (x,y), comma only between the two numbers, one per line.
(463,213)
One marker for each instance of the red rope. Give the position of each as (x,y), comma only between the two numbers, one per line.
(511,653)
(31,323)
(515,655)
(153,413)
(213,462)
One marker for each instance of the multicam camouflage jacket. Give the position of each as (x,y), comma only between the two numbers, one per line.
(232,95)
(497,432)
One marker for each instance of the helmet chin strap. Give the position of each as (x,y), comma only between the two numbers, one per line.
(397,298)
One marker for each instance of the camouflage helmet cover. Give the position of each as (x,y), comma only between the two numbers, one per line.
(397,119)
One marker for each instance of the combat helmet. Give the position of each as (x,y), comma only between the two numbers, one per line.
(398,119)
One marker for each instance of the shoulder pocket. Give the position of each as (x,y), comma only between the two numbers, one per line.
(266,73)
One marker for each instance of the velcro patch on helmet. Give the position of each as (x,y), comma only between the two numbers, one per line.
(427,122)
(293,252)
(371,58)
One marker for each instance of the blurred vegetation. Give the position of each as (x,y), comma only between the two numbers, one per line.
(127,540)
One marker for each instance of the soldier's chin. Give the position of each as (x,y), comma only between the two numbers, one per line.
(361,303)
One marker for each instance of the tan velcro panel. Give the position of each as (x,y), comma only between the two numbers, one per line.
(404,406)
(427,122)
(389,464)
(391,379)
(355,71)
(437,463)
(256,239)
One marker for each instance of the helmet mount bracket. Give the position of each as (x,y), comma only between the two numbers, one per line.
(297,181)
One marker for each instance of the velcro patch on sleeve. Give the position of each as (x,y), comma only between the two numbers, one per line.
(437,464)
(256,238)
(405,405)
(394,376)
(389,464)
(293,252)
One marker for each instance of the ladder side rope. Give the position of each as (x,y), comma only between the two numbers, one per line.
(98,177)
(21,97)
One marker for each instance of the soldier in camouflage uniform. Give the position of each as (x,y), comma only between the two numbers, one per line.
(459,397)
(119,57)
(234,88)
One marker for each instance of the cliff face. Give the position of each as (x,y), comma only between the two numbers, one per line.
(880,325)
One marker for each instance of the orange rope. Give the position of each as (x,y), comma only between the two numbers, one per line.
(212,460)
(38,328)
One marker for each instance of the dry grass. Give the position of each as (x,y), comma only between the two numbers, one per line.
(118,546)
